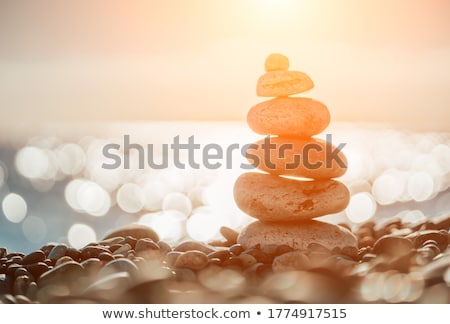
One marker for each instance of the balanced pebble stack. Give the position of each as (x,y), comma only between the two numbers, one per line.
(286,207)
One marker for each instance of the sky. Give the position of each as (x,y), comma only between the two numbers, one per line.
(371,61)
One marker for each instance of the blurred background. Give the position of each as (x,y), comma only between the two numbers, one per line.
(379,60)
(75,75)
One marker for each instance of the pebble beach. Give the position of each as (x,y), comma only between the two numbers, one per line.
(397,249)
(393,263)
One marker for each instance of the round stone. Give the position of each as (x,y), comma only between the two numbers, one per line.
(300,157)
(291,261)
(137,231)
(297,236)
(67,274)
(229,234)
(34,257)
(283,83)
(37,269)
(271,198)
(276,62)
(193,245)
(440,237)
(194,260)
(57,252)
(119,265)
(393,246)
(301,117)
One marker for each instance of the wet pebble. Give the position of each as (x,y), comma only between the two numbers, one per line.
(123,249)
(57,252)
(23,299)
(8,299)
(147,249)
(194,246)
(37,269)
(4,287)
(136,231)
(131,241)
(236,249)
(92,266)
(3,252)
(115,247)
(34,257)
(15,254)
(66,273)
(366,241)
(3,268)
(62,260)
(435,271)
(185,274)
(172,257)
(23,272)
(11,271)
(229,234)
(47,248)
(439,237)
(111,241)
(233,262)
(110,286)
(259,255)
(92,252)
(21,285)
(119,265)
(105,256)
(392,246)
(32,290)
(295,260)
(350,251)
(247,260)
(222,255)
(164,247)
(194,260)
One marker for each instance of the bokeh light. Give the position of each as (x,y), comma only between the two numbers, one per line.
(32,162)
(177,201)
(71,158)
(3,173)
(420,186)
(412,216)
(388,187)
(203,225)
(34,229)
(87,197)
(79,235)
(168,224)
(93,199)
(383,180)
(130,198)
(154,191)
(361,208)
(14,207)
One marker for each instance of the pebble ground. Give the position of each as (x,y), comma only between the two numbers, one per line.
(394,263)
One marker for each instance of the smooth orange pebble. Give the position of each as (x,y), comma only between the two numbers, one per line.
(302,117)
(283,83)
(300,157)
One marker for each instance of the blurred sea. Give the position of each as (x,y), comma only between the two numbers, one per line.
(53,186)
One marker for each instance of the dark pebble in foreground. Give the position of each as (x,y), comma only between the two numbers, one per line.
(391,263)
(34,257)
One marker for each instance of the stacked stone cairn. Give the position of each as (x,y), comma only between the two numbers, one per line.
(297,184)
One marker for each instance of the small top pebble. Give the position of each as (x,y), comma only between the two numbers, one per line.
(276,62)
